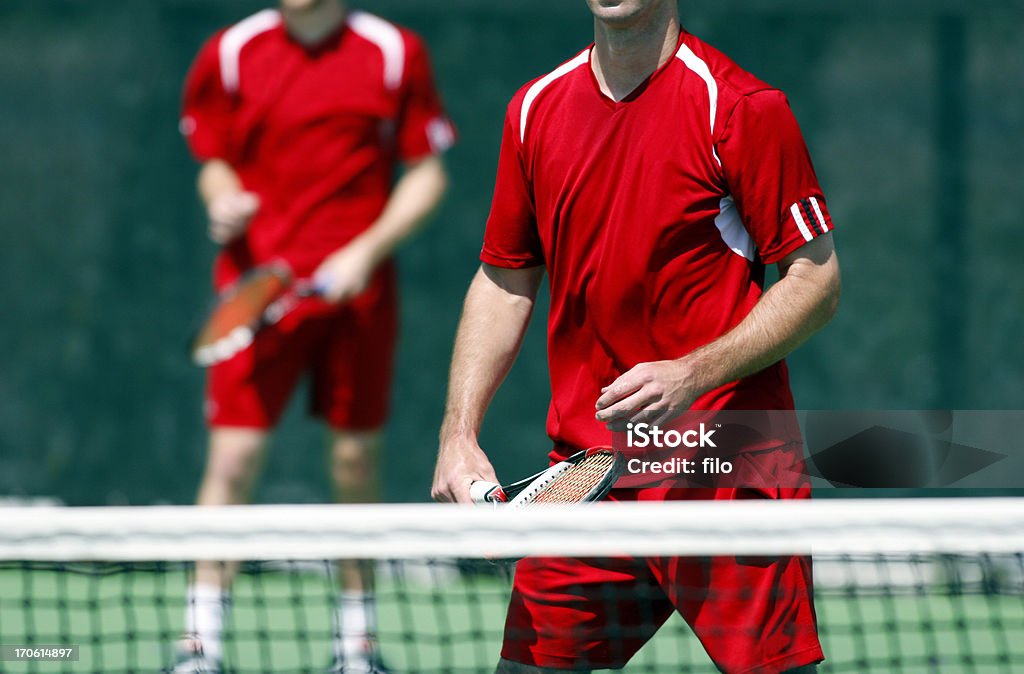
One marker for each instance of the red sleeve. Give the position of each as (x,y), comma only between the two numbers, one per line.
(423,127)
(770,176)
(207,109)
(511,238)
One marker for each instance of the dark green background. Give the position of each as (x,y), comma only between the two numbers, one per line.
(914,113)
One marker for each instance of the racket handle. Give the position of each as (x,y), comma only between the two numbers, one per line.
(310,288)
(482,491)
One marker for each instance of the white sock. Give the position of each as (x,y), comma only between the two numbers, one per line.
(356,625)
(205,610)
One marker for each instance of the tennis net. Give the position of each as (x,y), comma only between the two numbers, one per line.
(900,586)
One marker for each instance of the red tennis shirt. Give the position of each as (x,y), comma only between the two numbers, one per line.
(655,217)
(315,131)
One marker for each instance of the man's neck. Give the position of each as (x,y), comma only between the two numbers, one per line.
(312,25)
(626,55)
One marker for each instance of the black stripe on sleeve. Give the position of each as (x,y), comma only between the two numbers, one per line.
(808,210)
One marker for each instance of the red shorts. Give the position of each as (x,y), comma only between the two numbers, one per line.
(348,351)
(750,614)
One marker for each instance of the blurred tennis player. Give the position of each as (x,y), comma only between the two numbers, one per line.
(653,180)
(301,116)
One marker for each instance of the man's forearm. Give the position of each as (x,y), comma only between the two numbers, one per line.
(216,177)
(229,206)
(496,313)
(799,304)
(494,318)
(414,197)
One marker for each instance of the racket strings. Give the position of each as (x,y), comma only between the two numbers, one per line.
(243,306)
(239,313)
(573,485)
(250,300)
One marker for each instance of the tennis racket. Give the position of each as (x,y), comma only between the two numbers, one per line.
(258,299)
(585,476)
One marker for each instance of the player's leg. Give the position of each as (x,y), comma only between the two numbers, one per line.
(574,615)
(643,630)
(351,392)
(245,397)
(751,613)
(353,467)
(233,463)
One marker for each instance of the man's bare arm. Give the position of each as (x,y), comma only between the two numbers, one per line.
(495,315)
(228,206)
(216,177)
(416,195)
(803,300)
(347,272)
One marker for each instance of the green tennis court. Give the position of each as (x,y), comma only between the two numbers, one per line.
(448,616)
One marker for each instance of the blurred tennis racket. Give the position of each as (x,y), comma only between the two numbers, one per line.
(585,476)
(258,299)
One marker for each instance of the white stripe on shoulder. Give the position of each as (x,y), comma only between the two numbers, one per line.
(697,65)
(538,86)
(388,39)
(236,37)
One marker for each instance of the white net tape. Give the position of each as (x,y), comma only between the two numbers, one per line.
(821,527)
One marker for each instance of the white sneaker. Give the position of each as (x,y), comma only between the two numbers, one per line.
(368,662)
(189,658)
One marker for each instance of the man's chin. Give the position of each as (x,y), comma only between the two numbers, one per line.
(302,6)
(615,12)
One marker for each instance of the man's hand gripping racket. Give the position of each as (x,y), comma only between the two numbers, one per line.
(585,476)
(260,298)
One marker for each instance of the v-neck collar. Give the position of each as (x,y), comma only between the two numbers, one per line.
(638,89)
(325,43)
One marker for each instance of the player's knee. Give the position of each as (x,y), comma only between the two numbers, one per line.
(352,471)
(353,460)
(235,460)
(234,475)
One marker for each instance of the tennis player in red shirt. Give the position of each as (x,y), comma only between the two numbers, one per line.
(301,116)
(653,180)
